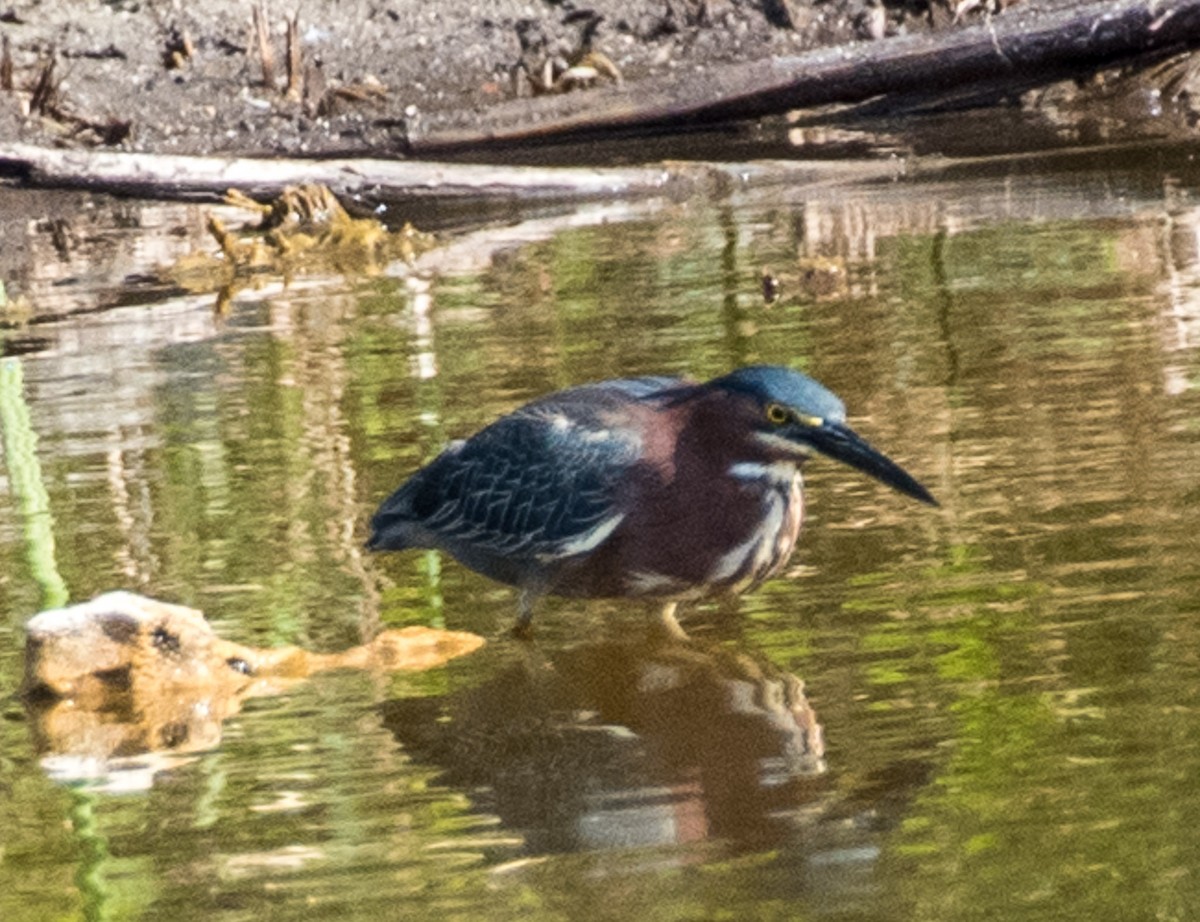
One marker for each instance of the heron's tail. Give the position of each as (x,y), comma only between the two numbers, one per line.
(391,526)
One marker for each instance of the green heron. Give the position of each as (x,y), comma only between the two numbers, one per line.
(653,487)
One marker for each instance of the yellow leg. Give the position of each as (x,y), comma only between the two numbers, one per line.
(668,624)
(523,629)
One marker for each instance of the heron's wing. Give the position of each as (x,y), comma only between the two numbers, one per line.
(540,483)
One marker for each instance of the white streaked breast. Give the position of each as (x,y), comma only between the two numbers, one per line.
(753,554)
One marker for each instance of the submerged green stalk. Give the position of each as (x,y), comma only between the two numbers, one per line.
(25,475)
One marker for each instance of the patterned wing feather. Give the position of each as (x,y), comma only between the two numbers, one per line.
(539,483)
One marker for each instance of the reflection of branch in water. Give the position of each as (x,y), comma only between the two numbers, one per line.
(132,507)
(627,743)
(325,474)
(426,369)
(1181,246)
(739,328)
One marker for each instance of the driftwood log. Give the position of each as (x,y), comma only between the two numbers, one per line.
(205,177)
(1004,54)
(209,178)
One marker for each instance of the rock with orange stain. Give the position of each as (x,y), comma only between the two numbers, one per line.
(124,674)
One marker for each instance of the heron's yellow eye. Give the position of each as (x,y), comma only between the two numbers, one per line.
(777,415)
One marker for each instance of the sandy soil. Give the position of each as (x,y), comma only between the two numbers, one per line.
(187,77)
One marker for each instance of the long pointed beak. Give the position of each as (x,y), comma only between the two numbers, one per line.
(842,443)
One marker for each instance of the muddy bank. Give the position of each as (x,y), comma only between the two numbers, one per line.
(188,78)
(383,77)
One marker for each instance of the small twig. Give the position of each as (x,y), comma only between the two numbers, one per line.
(262,35)
(6,66)
(179,49)
(295,69)
(44,97)
(996,41)
(46,101)
(369,89)
(314,88)
(363,91)
(110,132)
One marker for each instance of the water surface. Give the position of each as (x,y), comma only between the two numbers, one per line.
(986,710)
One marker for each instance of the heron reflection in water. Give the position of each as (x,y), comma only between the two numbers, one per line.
(621,742)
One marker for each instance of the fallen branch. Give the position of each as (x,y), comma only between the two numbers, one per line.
(209,178)
(1014,51)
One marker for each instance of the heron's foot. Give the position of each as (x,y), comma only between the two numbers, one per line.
(667,626)
(522,630)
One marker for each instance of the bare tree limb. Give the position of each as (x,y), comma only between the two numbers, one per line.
(174,176)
